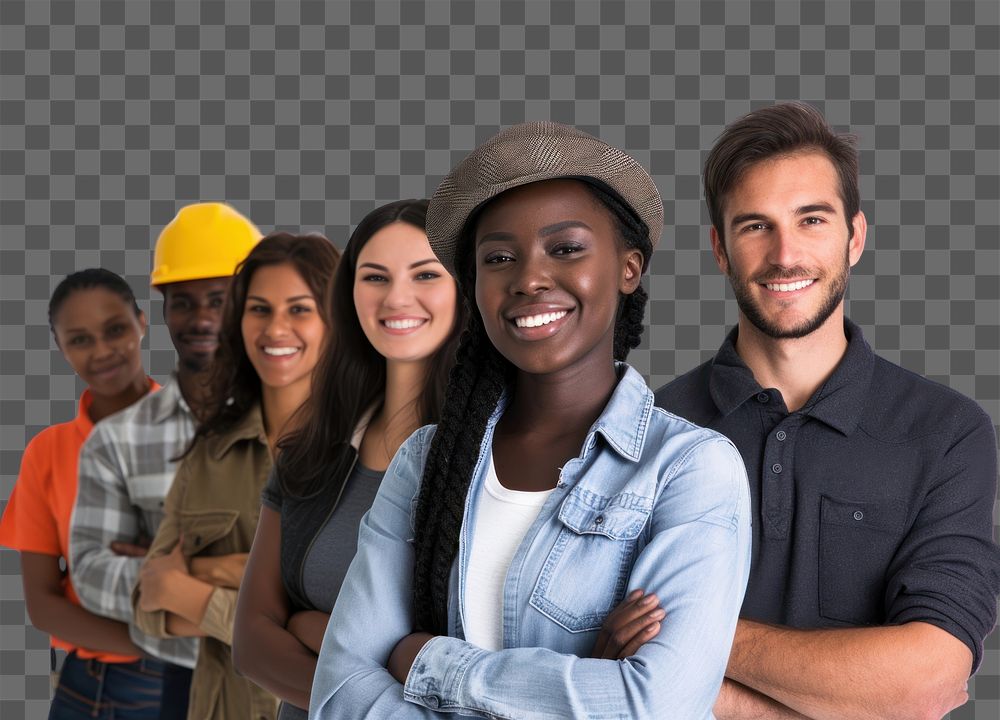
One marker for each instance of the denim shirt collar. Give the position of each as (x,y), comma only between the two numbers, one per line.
(624,420)
(838,402)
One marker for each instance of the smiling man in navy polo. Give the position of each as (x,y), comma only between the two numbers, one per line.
(874,576)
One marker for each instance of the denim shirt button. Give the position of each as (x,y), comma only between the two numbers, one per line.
(598,520)
(858,515)
(781,435)
(763,397)
(776,468)
(433,700)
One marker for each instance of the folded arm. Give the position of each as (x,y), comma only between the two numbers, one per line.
(914,670)
(264,646)
(175,602)
(53,613)
(188,608)
(103,514)
(351,680)
(738,702)
(940,602)
(169,594)
(696,562)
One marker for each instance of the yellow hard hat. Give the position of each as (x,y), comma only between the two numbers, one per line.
(205,240)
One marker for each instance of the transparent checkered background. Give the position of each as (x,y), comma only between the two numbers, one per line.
(305,115)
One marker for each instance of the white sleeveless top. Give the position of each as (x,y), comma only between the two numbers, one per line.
(502,518)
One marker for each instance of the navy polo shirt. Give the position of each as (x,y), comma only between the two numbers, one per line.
(872,504)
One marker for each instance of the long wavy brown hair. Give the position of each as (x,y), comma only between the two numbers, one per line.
(350,376)
(234,385)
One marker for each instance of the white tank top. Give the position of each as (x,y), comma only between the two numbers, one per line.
(502,518)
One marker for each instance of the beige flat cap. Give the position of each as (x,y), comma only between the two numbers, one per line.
(528,153)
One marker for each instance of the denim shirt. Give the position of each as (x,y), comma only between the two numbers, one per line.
(652,502)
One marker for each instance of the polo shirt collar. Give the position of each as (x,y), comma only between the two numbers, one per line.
(839,402)
(248,427)
(731,383)
(843,397)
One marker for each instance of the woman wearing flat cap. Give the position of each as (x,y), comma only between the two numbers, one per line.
(552,490)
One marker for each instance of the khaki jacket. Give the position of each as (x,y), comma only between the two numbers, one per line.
(214,504)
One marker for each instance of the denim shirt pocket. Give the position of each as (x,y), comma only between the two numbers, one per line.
(587,569)
(201,528)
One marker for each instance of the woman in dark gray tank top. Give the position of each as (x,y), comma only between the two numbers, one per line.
(396,320)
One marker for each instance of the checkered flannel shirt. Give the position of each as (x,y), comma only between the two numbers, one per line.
(126,467)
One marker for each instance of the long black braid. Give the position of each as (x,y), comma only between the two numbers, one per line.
(474,388)
(634,235)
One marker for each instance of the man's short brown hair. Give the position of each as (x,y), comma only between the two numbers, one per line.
(772,132)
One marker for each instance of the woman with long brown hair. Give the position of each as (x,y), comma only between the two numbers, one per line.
(273,332)
(396,317)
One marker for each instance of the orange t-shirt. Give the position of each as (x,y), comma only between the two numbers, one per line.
(38,512)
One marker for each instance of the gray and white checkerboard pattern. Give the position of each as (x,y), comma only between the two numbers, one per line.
(306,114)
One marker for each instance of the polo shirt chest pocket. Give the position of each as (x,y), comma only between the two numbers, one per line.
(202,528)
(587,569)
(857,541)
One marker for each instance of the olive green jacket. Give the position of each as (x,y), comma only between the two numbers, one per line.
(213,505)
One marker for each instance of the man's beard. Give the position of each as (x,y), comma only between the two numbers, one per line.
(196,362)
(749,307)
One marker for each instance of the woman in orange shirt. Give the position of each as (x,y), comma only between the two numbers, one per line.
(99,328)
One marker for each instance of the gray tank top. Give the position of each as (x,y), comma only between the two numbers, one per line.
(335,546)
(333,549)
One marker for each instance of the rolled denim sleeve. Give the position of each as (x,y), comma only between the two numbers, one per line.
(696,561)
(374,608)
(103,514)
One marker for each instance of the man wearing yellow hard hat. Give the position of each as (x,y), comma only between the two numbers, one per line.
(128,463)
(195,258)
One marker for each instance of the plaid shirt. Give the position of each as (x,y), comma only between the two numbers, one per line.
(126,469)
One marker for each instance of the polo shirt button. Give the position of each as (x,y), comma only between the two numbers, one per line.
(776,468)
(781,435)
(858,515)
(763,397)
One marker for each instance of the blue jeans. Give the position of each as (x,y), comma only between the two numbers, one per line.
(90,689)
(176,692)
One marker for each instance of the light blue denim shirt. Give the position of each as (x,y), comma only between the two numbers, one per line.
(652,502)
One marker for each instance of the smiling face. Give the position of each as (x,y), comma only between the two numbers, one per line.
(282,328)
(404,297)
(549,271)
(101,337)
(786,250)
(192,311)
